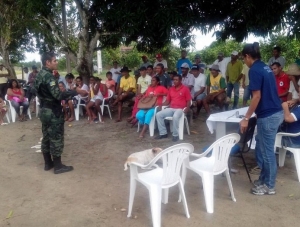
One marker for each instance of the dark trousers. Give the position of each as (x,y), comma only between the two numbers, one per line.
(53,132)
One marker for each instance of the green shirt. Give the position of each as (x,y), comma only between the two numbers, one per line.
(233,71)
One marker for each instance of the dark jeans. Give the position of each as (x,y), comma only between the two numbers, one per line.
(17,105)
(3,90)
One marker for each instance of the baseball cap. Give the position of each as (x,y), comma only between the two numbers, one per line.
(197,56)
(195,67)
(185,65)
(158,56)
(235,53)
(214,67)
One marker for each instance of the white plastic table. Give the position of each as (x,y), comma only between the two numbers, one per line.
(217,122)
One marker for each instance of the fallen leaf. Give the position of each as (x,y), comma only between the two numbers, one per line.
(115,208)
(10,214)
(135,217)
(194,132)
(291,195)
(123,209)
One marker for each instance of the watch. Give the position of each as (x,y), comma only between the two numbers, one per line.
(246,118)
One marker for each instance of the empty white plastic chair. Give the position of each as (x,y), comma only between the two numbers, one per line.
(159,179)
(283,149)
(79,106)
(105,103)
(12,111)
(216,164)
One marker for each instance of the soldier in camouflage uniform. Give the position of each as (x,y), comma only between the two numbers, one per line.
(51,115)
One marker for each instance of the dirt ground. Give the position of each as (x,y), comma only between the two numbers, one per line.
(98,188)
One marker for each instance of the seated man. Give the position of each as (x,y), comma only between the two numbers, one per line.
(282,81)
(199,91)
(293,125)
(215,89)
(179,98)
(126,91)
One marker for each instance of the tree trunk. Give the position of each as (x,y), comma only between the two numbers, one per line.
(7,64)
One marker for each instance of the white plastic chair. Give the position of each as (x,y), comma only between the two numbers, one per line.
(159,179)
(182,120)
(283,149)
(105,103)
(152,122)
(79,106)
(7,117)
(216,164)
(13,112)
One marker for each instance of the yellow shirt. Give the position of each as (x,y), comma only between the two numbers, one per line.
(216,83)
(128,83)
(246,73)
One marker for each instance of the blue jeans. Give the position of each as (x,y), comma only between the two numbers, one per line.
(264,150)
(145,116)
(236,88)
(168,112)
(17,105)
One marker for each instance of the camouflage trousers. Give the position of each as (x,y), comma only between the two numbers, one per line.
(53,132)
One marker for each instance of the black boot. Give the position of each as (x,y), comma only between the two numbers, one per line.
(48,161)
(59,167)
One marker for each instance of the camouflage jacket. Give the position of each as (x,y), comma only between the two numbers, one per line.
(47,90)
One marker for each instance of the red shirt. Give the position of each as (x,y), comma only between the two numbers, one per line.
(157,90)
(178,97)
(283,85)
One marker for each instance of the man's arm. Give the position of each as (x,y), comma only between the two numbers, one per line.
(288,117)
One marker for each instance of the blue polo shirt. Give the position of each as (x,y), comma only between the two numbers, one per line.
(262,78)
(180,62)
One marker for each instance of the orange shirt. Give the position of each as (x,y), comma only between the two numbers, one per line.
(111,84)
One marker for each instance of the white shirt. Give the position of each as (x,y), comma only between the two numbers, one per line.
(223,65)
(114,74)
(293,90)
(86,88)
(164,62)
(144,82)
(26,77)
(280,60)
(200,82)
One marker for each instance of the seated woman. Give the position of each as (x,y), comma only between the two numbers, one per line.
(98,91)
(3,111)
(15,94)
(144,116)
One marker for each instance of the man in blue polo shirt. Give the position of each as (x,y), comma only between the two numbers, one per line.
(293,125)
(183,60)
